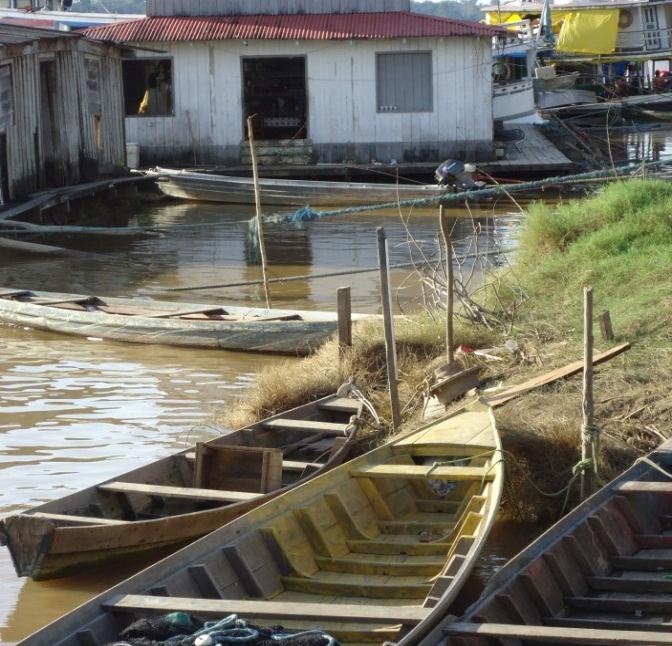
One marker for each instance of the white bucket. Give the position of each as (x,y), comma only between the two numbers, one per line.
(132,155)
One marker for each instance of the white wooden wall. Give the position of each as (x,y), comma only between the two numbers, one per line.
(341,96)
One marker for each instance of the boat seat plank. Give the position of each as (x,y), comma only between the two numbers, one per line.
(559,635)
(340,405)
(644,486)
(287,465)
(73,300)
(87,520)
(307,425)
(419,471)
(200,310)
(611,622)
(178,492)
(408,615)
(10,293)
(625,603)
(643,562)
(629,584)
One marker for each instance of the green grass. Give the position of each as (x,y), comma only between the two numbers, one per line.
(620,242)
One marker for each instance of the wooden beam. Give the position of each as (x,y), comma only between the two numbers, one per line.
(418,471)
(80,520)
(508,394)
(341,405)
(588,636)
(642,562)
(178,492)
(369,613)
(307,426)
(628,584)
(645,486)
(624,604)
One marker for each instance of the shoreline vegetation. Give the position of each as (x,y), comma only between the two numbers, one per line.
(619,241)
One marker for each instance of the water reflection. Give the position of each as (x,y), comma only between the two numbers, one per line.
(75,411)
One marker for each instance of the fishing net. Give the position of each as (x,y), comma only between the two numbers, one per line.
(181,629)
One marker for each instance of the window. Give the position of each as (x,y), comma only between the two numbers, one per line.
(148,87)
(6,97)
(404,82)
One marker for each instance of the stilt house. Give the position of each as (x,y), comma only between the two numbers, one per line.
(327,80)
(61,110)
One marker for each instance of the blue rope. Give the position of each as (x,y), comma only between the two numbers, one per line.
(307,214)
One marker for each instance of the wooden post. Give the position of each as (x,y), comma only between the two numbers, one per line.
(344,309)
(390,347)
(257,203)
(606,328)
(450,281)
(587,425)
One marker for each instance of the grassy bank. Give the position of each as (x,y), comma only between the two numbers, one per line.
(620,242)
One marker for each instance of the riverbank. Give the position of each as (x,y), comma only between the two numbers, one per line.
(620,241)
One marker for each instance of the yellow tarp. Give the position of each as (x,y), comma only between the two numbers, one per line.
(501,18)
(589,32)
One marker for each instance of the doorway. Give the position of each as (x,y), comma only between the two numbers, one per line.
(274,90)
(49,131)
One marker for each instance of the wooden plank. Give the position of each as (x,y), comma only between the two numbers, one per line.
(292,465)
(645,487)
(178,492)
(654,541)
(340,405)
(508,394)
(168,315)
(628,584)
(307,426)
(369,613)
(611,622)
(624,604)
(560,635)
(86,520)
(415,471)
(642,562)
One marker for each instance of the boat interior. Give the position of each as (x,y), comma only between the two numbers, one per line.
(94,304)
(606,581)
(237,467)
(364,551)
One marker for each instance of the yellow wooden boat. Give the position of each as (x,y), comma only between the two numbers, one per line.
(375,550)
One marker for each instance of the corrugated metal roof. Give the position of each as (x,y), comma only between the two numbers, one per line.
(289,27)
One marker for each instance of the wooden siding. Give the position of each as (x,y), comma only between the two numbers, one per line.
(343,121)
(86,143)
(254,7)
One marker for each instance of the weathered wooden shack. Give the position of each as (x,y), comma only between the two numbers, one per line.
(61,110)
(328,81)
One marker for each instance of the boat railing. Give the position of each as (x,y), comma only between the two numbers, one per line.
(644,40)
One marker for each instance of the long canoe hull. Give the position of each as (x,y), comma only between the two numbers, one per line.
(247,329)
(376,549)
(95,526)
(598,576)
(207,187)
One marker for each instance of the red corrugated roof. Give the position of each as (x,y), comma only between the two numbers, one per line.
(289,27)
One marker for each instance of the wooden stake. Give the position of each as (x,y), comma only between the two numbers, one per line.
(344,309)
(587,449)
(450,283)
(606,328)
(390,346)
(257,204)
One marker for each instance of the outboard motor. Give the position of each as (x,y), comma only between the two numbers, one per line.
(457,174)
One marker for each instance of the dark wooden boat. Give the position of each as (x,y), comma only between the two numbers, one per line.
(184,496)
(366,552)
(208,187)
(135,320)
(602,575)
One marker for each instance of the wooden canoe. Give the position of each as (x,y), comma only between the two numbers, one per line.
(248,329)
(207,187)
(184,496)
(374,548)
(602,575)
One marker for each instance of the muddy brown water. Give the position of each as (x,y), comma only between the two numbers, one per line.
(75,411)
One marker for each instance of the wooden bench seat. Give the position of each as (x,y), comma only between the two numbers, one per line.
(81,520)
(423,472)
(644,486)
(385,615)
(341,405)
(178,492)
(307,426)
(558,635)
(200,310)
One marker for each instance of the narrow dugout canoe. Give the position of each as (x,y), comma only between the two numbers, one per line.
(247,329)
(373,548)
(184,496)
(207,187)
(602,575)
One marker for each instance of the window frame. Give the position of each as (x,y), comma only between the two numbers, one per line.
(148,59)
(379,55)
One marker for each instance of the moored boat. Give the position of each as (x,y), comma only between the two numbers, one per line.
(374,548)
(208,187)
(183,496)
(134,320)
(601,575)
